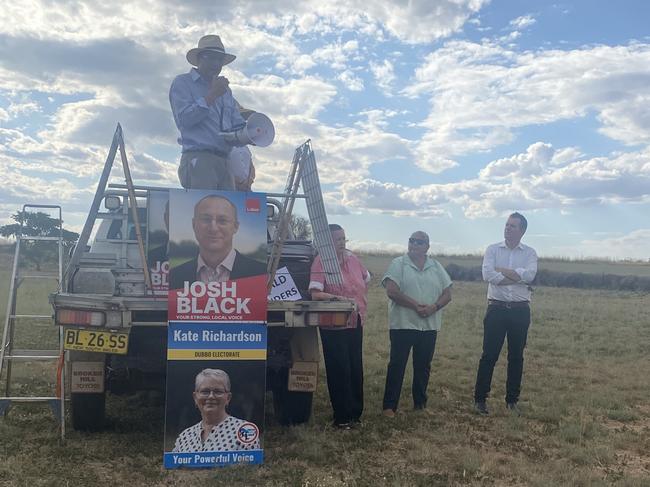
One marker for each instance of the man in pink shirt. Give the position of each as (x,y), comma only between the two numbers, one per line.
(342,346)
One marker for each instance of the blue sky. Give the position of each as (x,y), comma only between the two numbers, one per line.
(438,116)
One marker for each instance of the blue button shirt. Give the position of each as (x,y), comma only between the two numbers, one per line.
(199,123)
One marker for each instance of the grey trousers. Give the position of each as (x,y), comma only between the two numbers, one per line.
(205,170)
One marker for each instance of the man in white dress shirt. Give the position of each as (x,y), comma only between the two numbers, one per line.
(509,267)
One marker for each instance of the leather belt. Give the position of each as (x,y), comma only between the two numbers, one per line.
(508,304)
(210,151)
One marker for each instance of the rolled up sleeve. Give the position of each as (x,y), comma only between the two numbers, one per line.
(529,272)
(489,264)
(317,275)
(393,273)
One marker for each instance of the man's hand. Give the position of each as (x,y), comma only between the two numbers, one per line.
(509,274)
(423,310)
(217,88)
(426,310)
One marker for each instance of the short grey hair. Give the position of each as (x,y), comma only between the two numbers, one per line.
(215,373)
(420,232)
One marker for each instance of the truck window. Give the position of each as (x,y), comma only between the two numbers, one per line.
(115,230)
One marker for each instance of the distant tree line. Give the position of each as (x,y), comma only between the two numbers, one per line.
(38,224)
(580,280)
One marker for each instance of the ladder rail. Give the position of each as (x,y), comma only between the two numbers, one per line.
(84,237)
(318,217)
(11,310)
(134,211)
(280,234)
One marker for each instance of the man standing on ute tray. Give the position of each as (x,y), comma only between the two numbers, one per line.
(509,267)
(203,108)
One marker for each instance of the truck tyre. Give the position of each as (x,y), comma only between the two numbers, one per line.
(290,407)
(88,411)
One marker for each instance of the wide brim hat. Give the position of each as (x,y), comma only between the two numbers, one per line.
(210,43)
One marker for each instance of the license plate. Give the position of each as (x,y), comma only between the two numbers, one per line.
(96,341)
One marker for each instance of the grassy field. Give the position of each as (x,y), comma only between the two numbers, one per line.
(586,403)
(641,269)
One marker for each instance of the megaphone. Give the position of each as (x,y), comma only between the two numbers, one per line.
(258,131)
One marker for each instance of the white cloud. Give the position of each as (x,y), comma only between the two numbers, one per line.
(528,181)
(384,74)
(351,81)
(531,181)
(336,55)
(531,163)
(522,22)
(23,108)
(416,21)
(396,199)
(479,93)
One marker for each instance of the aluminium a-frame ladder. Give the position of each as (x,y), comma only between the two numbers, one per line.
(303,172)
(10,354)
(7,352)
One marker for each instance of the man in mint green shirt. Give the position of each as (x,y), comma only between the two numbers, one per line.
(418,287)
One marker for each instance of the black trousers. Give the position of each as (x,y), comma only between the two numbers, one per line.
(401,342)
(501,322)
(342,351)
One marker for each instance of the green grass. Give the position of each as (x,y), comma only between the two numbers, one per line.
(585,398)
(642,269)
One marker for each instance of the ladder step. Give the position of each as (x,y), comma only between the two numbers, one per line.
(40,276)
(115,240)
(40,317)
(32,355)
(111,216)
(30,399)
(35,352)
(27,237)
(30,358)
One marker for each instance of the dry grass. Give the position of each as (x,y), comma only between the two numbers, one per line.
(585,399)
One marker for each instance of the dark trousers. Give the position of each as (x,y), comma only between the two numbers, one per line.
(342,351)
(401,342)
(499,323)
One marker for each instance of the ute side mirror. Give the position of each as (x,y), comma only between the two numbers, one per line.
(112,202)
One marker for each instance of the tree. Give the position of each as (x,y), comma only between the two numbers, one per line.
(300,227)
(38,224)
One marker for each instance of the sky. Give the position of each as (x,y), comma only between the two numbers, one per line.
(443,116)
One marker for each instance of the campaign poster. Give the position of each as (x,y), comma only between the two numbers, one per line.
(217,256)
(216,375)
(158,240)
(284,287)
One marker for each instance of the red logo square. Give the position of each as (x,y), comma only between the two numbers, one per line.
(252,205)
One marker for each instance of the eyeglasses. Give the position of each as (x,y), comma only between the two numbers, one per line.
(418,241)
(219,221)
(205,393)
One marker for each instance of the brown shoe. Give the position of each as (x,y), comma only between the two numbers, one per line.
(389,413)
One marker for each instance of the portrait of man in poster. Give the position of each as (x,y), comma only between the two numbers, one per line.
(216,221)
